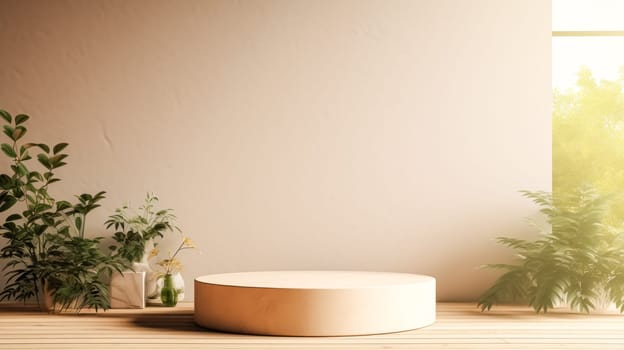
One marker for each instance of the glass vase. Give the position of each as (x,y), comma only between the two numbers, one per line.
(168,294)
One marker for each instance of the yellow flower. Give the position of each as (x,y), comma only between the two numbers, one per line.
(172,264)
(153,253)
(188,243)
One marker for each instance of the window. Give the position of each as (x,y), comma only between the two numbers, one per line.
(587,33)
(588,98)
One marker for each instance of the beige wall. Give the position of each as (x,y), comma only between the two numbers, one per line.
(376,135)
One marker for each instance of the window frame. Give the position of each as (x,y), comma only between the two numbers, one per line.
(587,33)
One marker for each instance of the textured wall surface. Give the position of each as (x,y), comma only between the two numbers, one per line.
(373,135)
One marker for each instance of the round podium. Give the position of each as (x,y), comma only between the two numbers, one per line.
(314,303)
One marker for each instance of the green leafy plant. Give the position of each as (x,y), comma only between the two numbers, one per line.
(578,261)
(46,249)
(135,229)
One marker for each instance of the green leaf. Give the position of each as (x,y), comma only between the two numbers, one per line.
(17,192)
(78,222)
(59,147)
(62,205)
(5,181)
(21,118)
(7,202)
(44,147)
(5,115)
(19,132)
(13,217)
(8,131)
(3,195)
(57,160)
(21,170)
(35,176)
(8,150)
(44,160)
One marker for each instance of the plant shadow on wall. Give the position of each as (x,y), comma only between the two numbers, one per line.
(47,253)
(579,259)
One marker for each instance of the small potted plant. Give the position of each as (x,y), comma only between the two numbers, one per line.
(172,289)
(136,233)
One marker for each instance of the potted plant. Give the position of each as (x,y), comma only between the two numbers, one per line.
(172,288)
(136,233)
(578,260)
(48,256)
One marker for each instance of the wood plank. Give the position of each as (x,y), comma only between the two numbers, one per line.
(459,326)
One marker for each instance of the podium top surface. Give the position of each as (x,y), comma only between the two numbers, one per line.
(314,279)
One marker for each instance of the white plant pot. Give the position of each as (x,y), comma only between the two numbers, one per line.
(602,305)
(127,290)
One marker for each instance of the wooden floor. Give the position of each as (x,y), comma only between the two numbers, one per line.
(459,326)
